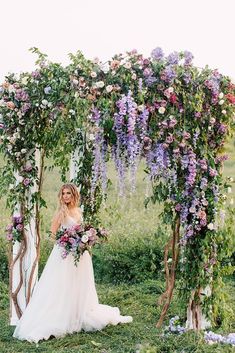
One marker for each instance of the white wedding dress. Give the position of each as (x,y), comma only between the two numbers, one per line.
(65,300)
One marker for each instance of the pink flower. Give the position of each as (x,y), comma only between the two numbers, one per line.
(9,236)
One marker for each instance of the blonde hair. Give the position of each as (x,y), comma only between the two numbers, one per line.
(62,211)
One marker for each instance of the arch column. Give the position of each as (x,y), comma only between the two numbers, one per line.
(24,260)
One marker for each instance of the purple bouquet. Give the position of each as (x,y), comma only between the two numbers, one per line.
(79,238)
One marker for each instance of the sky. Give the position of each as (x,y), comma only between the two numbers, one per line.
(102,28)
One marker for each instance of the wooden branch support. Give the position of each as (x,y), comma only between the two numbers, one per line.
(170,273)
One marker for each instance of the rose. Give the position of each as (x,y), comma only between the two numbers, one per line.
(161,110)
(26,181)
(127,65)
(109,88)
(93,74)
(100,84)
(19,227)
(210,226)
(85,238)
(11,105)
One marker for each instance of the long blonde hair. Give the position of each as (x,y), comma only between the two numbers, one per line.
(62,210)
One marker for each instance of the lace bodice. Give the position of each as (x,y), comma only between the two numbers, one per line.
(68,222)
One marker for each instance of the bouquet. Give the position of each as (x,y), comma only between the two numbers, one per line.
(79,238)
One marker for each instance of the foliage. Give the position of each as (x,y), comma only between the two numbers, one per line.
(161,108)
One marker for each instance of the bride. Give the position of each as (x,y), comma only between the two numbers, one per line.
(65,299)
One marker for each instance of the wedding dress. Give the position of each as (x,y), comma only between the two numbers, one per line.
(65,300)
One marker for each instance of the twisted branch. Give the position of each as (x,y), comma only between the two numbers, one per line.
(170,275)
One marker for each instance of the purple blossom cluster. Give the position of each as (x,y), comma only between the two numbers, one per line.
(211,337)
(14,231)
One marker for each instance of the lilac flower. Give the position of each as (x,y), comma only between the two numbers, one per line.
(187,77)
(204,183)
(25,107)
(36,74)
(157,54)
(140,84)
(150,80)
(21,95)
(168,74)
(212,172)
(188,57)
(173,58)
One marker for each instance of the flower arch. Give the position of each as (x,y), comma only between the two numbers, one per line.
(161,108)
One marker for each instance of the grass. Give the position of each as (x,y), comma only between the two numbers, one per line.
(138,300)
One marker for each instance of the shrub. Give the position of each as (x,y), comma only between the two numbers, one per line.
(4,267)
(130,260)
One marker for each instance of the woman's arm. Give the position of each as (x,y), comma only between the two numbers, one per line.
(55,224)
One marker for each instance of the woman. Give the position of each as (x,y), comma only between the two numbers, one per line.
(65,299)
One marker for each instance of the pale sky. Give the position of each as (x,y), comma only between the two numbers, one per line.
(105,27)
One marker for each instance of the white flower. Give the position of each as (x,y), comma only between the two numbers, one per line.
(109,88)
(91,137)
(221,102)
(192,209)
(141,108)
(11,89)
(25,80)
(23,150)
(134,76)
(127,65)
(161,110)
(210,226)
(44,102)
(85,238)
(171,89)
(71,111)
(221,95)
(20,179)
(49,105)
(100,84)
(212,120)
(224,112)
(231,202)
(75,82)
(230,179)
(93,74)
(229,190)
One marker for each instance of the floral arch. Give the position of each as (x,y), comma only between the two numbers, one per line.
(161,108)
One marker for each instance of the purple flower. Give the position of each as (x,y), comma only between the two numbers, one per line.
(36,74)
(173,58)
(188,57)
(212,172)
(17,219)
(25,107)
(9,236)
(19,227)
(157,54)
(178,207)
(168,74)
(26,181)
(21,95)
(187,77)
(9,227)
